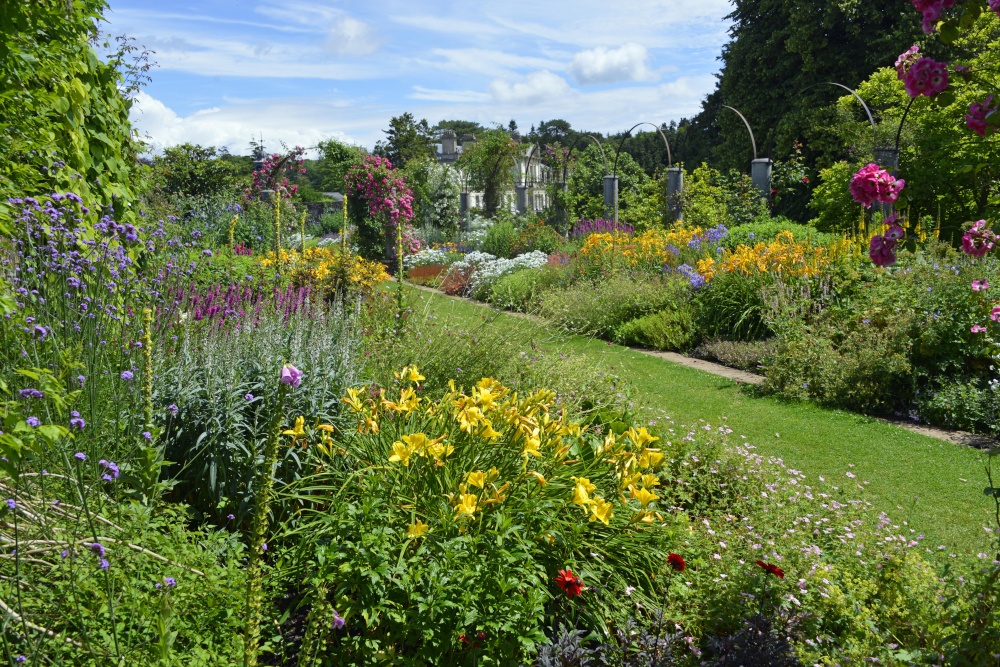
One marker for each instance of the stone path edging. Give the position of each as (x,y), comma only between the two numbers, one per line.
(744,377)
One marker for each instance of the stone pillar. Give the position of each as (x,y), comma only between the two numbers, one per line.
(675,190)
(266,195)
(463,203)
(760,173)
(611,197)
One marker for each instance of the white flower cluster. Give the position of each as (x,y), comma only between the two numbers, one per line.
(425,257)
(487,269)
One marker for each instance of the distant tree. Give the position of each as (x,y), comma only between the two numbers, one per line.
(551,131)
(335,158)
(462,128)
(489,165)
(405,140)
(190,170)
(512,126)
(585,192)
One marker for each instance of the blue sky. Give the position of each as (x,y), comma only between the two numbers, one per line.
(300,71)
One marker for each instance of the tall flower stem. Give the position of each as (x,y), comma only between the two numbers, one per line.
(302,231)
(277,225)
(147,376)
(232,231)
(258,531)
(399,275)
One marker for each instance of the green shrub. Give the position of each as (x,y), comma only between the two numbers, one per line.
(731,305)
(665,330)
(598,308)
(764,230)
(537,236)
(962,404)
(522,290)
(501,239)
(749,356)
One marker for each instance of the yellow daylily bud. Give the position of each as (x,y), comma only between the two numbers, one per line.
(539,476)
(417,529)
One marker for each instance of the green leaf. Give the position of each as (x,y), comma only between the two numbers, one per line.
(949,32)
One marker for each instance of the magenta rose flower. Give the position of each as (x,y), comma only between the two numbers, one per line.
(926,77)
(979,240)
(979,114)
(873,184)
(882,251)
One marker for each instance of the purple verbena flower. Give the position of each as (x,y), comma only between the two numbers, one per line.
(127,376)
(33,422)
(80,456)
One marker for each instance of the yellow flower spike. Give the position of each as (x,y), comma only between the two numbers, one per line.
(649,481)
(400,453)
(416,530)
(466,506)
(650,458)
(477,479)
(600,510)
(539,476)
(644,496)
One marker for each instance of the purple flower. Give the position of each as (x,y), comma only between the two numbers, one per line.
(112,469)
(33,422)
(170,581)
(77,423)
(263,547)
(97,548)
(31,393)
(172,409)
(81,379)
(80,456)
(248,397)
(147,435)
(338,621)
(157,585)
(291,375)
(20,658)
(105,564)
(127,376)
(206,252)
(64,553)
(231,516)
(11,504)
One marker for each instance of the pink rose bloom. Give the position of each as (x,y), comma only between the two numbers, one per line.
(882,251)
(895,232)
(978,114)
(906,60)
(932,10)
(873,184)
(979,240)
(977,329)
(980,285)
(926,77)
(995,313)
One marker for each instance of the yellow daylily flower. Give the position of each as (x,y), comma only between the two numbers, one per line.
(411,374)
(582,491)
(417,442)
(466,506)
(417,529)
(477,479)
(644,496)
(368,425)
(400,453)
(438,450)
(585,483)
(600,510)
(299,432)
(353,399)
(650,458)
(641,437)
(649,481)
(487,431)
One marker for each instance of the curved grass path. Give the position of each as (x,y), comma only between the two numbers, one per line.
(937,487)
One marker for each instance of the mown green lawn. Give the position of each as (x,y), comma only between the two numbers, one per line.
(935,486)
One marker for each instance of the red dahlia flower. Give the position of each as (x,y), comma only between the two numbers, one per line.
(570,584)
(771,569)
(676,562)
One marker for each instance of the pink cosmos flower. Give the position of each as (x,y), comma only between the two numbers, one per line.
(976,329)
(995,313)
(981,285)
(979,240)
(978,114)
(926,77)
(873,184)
(882,251)
(906,60)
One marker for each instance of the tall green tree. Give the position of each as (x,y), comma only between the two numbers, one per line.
(405,140)
(778,48)
(63,115)
(489,164)
(330,168)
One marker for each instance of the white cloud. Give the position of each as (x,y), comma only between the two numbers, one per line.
(438,95)
(351,37)
(604,65)
(532,89)
(294,122)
